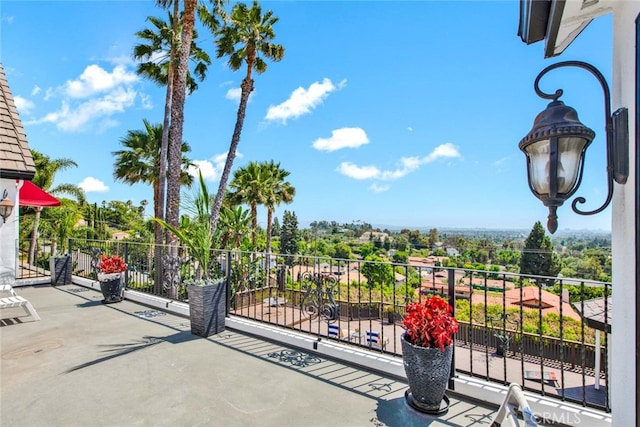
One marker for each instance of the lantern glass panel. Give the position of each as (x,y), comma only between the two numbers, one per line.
(569,155)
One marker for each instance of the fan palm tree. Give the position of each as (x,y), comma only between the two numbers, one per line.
(249,186)
(278,191)
(246,39)
(157,56)
(177,119)
(140,161)
(46,170)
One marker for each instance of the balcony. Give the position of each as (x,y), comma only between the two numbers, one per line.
(276,323)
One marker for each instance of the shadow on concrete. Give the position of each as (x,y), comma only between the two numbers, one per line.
(91,303)
(590,394)
(118,350)
(397,413)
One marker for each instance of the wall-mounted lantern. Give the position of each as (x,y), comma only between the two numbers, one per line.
(6,207)
(556,146)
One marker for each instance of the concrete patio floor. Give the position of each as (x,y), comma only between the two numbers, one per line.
(89,364)
(124,364)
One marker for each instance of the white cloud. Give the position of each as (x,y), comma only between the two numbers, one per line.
(49,93)
(302,101)
(95,80)
(114,102)
(447,150)
(407,165)
(379,188)
(358,172)
(23,105)
(235,93)
(212,168)
(36,90)
(500,162)
(145,99)
(342,138)
(91,184)
(410,129)
(91,101)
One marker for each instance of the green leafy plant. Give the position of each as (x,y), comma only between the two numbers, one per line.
(430,323)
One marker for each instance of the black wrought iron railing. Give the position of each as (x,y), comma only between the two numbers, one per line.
(548,334)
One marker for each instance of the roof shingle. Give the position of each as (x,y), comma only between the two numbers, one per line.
(15,155)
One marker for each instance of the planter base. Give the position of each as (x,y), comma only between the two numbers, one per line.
(112,289)
(444,405)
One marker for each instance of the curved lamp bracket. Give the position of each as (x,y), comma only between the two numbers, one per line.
(616,129)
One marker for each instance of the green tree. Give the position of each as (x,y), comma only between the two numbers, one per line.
(249,186)
(538,257)
(433,237)
(235,226)
(178,96)
(376,271)
(275,228)
(289,236)
(156,55)
(278,191)
(341,251)
(401,257)
(140,161)
(245,40)
(46,170)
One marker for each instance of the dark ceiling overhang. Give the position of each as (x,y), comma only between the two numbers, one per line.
(14,174)
(557,22)
(534,16)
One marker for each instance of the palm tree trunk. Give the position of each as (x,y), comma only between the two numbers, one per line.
(254,224)
(269,220)
(34,236)
(246,89)
(158,231)
(176,128)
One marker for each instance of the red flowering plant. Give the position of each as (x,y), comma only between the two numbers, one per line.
(430,323)
(112,264)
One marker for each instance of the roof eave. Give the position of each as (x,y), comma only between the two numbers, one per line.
(13,174)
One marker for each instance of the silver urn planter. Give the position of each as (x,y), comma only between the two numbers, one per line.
(427,371)
(207,308)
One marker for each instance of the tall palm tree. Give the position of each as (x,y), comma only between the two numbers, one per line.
(249,186)
(140,161)
(177,120)
(246,37)
(46,170)
(157,53)
(278,191)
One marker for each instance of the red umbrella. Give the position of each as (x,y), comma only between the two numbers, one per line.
(32,195)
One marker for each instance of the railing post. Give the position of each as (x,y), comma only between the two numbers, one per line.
(451,293)
(228,284)
(126,260)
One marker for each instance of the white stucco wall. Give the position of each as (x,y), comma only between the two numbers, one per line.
(623,358)
(9,230)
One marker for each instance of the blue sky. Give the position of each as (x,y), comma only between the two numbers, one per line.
(395,113)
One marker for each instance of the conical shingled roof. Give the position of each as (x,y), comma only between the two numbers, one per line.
(15,156)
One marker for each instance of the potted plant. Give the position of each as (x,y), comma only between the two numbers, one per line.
(427,351)
(391,313)
(111,277)
(207,294)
